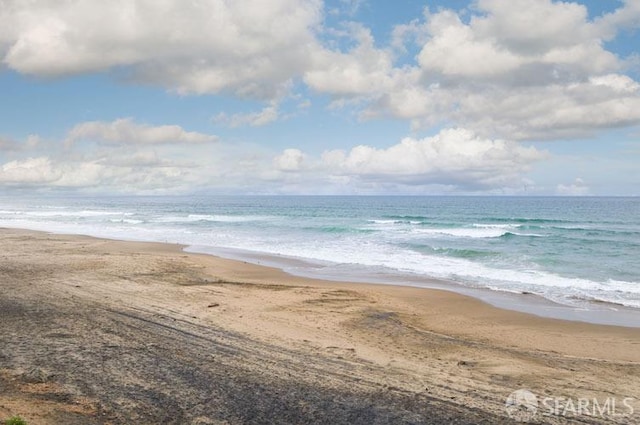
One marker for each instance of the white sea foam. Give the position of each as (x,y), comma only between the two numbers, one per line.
(395,221)
(126,220)
(227,218)
(191,218)
(485,232)
(82,213)
(496,226)
(558,288)
(475,232)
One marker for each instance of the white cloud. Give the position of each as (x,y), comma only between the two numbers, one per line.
(98,174)
(532,28)
(516,54)
(554,111)
(252,48)
(455,49)
(524,69)
(364,70)
(454,159)
(536,41)
(266,116)
(126,131)
(626,17)
(122,157)
(504,70)
(454,156)
(290,160)
(617,82)
(500,72)
(30,171)
(125,157)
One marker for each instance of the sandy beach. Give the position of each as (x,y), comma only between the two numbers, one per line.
(108,332)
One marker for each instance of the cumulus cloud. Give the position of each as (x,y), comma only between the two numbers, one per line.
(95,173)
(625,17)
(501,72)
(127,131)
(554,111)
(363,70)
(126,157)
(514,54)
(289,160)
(30,171)
(44,171)
(498,71)
(454,156)
(455,49)
(159,162)
(122,156)
(251,48)
(520,36)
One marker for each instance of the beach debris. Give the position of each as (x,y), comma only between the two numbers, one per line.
(213,305)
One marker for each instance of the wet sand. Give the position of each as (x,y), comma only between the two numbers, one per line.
(108,332)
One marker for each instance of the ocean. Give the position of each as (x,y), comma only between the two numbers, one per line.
(575,251)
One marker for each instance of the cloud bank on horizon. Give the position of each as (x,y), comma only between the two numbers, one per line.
(501,96)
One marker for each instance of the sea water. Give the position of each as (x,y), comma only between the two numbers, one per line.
(576,251)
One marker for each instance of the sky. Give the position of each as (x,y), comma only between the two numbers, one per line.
(357,97)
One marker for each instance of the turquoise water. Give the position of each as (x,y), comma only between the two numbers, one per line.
(570,250)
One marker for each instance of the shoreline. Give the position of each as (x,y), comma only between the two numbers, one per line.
(593,312)
(113,331)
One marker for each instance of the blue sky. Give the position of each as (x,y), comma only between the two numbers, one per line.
(305,97)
